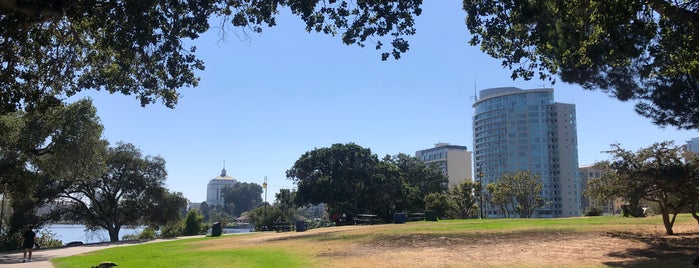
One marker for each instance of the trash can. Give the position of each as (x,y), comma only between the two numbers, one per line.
(430,215)
(400,218)
(300,226)
(216,229)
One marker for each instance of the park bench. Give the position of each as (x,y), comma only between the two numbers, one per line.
(283,226)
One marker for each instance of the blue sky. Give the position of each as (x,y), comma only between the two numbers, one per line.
(265,99)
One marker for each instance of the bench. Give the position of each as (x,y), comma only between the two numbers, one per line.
(283,226)
(366,219)
(416,217)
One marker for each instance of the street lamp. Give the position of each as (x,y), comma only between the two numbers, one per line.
(264,186)
(480,194)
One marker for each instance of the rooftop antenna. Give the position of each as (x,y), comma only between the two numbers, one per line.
(475,92)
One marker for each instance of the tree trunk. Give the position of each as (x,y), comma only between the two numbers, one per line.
(113,234)
(693,208)
(666,220)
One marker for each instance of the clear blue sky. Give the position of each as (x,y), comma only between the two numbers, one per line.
(266,99)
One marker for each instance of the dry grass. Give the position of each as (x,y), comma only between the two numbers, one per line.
(388,246)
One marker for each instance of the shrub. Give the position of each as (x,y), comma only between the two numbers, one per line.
(148,233)
(171,230)
(47,239)
(192,223)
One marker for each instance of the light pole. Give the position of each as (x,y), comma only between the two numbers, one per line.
(480,190)
(264,186)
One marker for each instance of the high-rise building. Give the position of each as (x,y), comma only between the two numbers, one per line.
(693,145)
(516,129)
(454,160)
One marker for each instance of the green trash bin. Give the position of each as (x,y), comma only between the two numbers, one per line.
(216,229)
(300,226)
(430,215)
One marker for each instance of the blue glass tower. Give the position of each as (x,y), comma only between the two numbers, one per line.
(516,129)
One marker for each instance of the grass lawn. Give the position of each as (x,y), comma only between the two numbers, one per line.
(608,241)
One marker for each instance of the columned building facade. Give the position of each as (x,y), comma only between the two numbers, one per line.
(516,129)
(214,194)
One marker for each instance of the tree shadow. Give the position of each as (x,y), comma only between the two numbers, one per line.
(678,250)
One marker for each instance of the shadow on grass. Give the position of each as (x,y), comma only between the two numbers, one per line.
(679,250)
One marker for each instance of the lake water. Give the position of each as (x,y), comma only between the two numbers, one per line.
(76,232)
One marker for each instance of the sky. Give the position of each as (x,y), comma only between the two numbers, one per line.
(265,99)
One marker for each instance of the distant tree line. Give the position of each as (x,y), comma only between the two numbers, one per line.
(349,179)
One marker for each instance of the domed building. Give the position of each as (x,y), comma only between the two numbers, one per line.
(214,194)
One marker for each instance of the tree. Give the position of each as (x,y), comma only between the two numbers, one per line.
(241,197)
(43,153)
(439,202)
(204,209)
(419,179)
(193,223)
(286,203)
(464,197)
(53,49)
(337,176)
(520,191)
(127,193)
(645,51)
(657,174)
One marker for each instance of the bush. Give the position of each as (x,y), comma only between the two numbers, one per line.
(171,230)
(593,211)
(148,233)
(192,223)
(47,239)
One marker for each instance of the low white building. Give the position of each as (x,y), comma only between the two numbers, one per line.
(214,194)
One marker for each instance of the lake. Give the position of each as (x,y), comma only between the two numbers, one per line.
(76,232)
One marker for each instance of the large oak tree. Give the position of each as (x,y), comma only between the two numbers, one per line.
(42,154)
(643,51)
(52,49)
(128,192)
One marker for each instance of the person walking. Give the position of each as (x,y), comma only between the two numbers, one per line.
(28,240)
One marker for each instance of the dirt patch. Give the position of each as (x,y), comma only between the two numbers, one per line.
(355,246)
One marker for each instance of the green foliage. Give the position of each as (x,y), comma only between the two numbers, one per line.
(147,233)
(644,51)
(47,239)
(41,154)
(464,198)
(349,179)
(337,176)
(241,197)
(171,230)
(438,202)
(285,200)
(57,49)
(662,173)
(263,217)
(519,192)
(129,192)
(193,223)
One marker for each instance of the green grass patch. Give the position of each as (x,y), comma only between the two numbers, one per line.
(184,253)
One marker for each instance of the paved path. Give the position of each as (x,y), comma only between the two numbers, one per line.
(41,257)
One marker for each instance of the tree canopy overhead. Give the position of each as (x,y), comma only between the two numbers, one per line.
(53,49)
(643,51)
